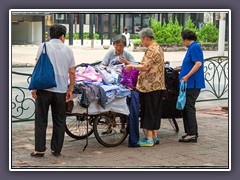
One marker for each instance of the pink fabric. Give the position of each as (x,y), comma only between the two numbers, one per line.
(89,74)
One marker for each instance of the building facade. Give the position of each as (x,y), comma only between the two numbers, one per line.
(32,27)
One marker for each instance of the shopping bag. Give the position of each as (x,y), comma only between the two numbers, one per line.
(129,79)
(43,76)
(181,101)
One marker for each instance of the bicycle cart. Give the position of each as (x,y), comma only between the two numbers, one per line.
(105,124)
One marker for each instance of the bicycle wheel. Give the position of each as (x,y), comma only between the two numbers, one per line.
(174,124)
(107,130)
(76,126)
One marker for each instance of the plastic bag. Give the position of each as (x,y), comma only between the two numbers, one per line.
(129,79)
(181,101)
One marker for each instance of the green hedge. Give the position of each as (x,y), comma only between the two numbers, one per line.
(134,36)
(208,33)
(171,32)
(85,36)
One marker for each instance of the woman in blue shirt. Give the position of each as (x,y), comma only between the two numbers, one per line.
(191,72)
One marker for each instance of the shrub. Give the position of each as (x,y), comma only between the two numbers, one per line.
(175,31)
(208,33)
(160,31)
(167,33)
(190,25)
(75,36)
(156,25)
(134,36)
(137,42)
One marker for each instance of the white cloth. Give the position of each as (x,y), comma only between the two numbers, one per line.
(127,38)
(119,106)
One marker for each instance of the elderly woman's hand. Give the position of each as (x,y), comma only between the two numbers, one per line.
(128,67)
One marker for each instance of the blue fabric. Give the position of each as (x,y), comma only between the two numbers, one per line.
(113,91)
(193,55)
(43,76)
(123,92)
(133,103)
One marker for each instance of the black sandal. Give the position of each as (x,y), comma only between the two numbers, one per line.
(37,154)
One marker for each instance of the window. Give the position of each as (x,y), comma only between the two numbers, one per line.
(59,16)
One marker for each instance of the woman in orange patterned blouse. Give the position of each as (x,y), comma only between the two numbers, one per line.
(150,84)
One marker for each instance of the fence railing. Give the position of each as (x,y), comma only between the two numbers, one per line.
(216,80)
(23,106)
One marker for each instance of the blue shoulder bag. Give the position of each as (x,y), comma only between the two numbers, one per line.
(181,101)
(43,76)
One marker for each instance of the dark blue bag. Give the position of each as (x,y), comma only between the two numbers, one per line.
(181,101)
(43,76)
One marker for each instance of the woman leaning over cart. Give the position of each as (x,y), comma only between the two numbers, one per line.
(150,84)
(192,73)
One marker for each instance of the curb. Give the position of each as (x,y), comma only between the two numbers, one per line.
(14,65)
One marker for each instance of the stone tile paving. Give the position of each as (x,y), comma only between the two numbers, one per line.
(211,151)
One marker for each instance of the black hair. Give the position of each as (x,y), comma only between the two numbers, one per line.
(56,31)
(120,38)
(189,35)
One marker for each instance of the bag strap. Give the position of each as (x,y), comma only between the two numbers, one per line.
(44,50)
(183,86)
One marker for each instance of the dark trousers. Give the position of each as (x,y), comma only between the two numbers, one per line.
(189,112)
(151,109)
(44,100)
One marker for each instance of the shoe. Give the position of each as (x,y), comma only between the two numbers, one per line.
(186,136)
(36,154)
(156,140)
(146,143)
(192,139)
(56,154)
(142,140)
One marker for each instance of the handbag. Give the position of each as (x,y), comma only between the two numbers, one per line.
(43,76)
(181,100)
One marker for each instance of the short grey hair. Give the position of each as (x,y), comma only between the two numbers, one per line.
(146,32)
(120,38)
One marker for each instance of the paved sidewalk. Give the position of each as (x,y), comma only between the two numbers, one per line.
(211,150)
(24,55)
